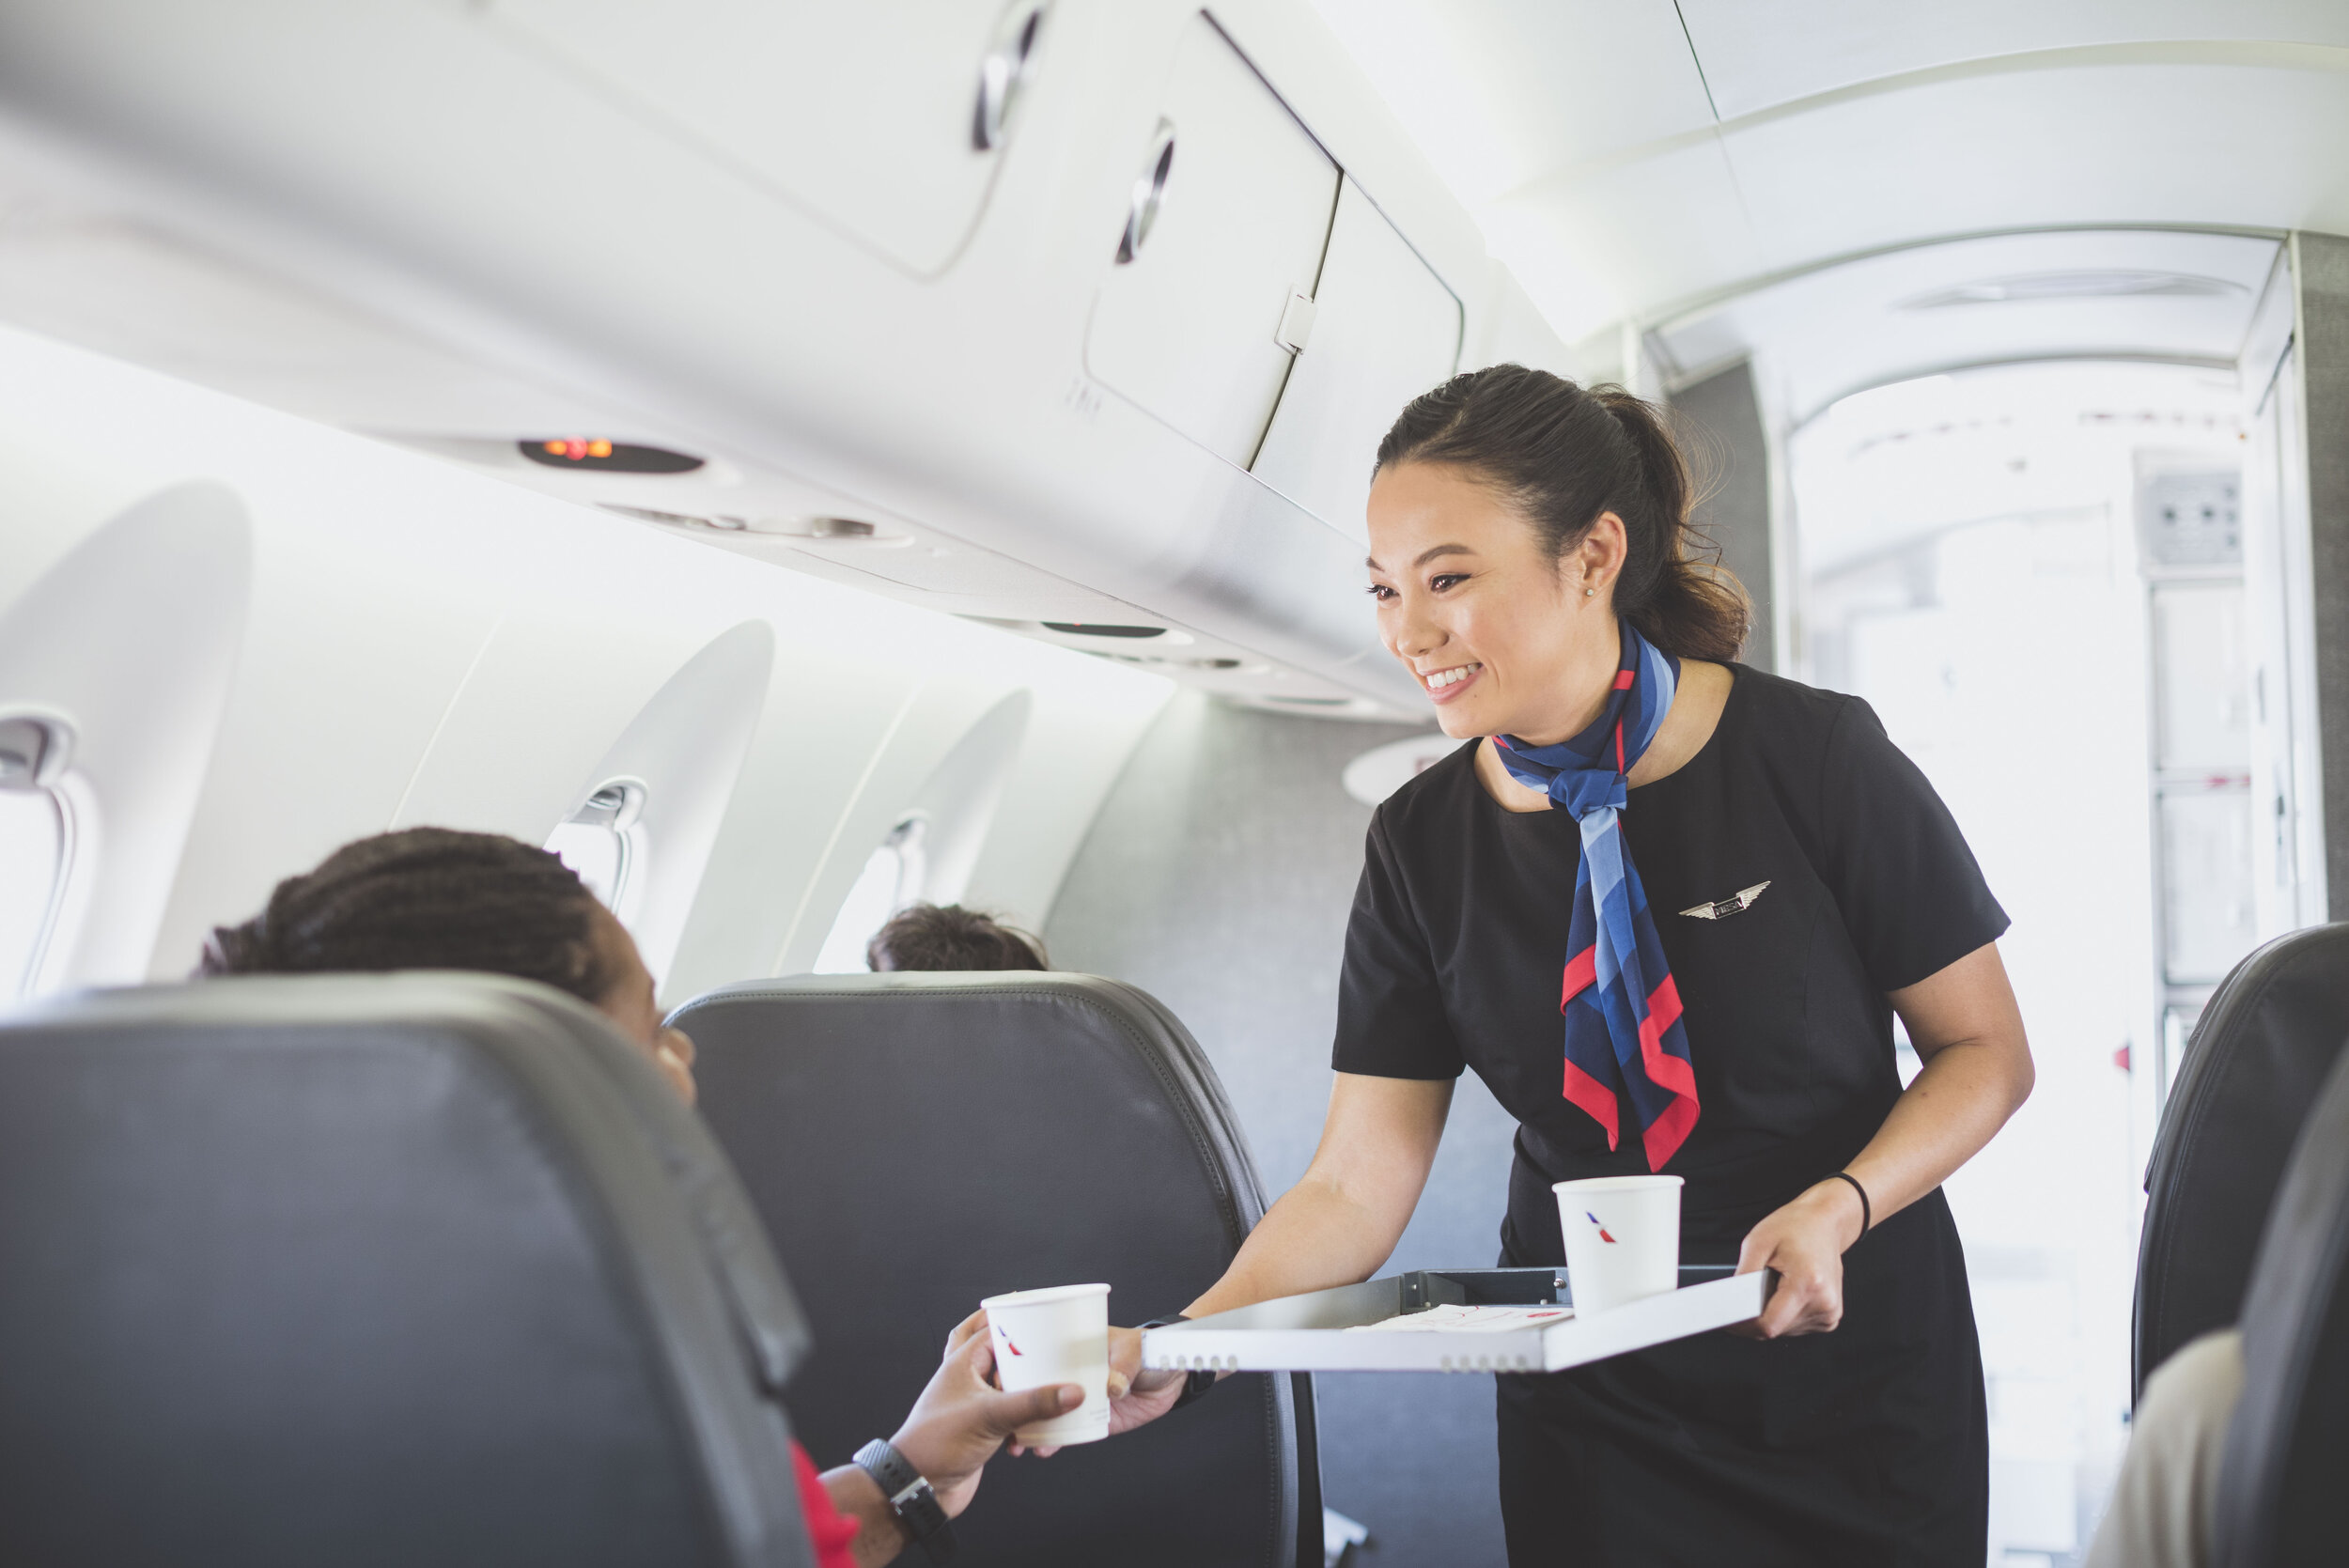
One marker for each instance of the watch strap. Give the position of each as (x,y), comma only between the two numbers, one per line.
(910,1498)
(1198,1382)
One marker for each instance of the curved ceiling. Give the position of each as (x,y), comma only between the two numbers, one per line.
(2102,294)
(1638,160)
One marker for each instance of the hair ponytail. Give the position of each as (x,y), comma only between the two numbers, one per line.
(1564,454)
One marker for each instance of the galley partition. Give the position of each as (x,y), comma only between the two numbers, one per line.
(916,1142)
(2259,1056)
(377,1270)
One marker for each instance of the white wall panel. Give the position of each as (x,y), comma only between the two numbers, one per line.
(419,632)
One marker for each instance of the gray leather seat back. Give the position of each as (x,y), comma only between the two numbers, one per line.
(2283,1497)
(979,1133)
(376,1269)
(2259,1056)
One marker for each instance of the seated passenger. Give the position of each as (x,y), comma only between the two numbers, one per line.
(433,898)
(949,936)
(2164,1504)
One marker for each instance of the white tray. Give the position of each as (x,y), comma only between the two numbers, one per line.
(1311,1333)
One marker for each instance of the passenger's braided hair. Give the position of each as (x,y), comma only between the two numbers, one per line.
(423,898)
(949,936)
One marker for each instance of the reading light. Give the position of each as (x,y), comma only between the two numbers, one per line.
(606,456)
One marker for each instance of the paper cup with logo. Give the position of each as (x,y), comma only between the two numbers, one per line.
(1061,1335)
(1623,1238)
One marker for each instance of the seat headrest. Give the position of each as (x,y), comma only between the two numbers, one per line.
(2281,1500)
(918,1141)
(2259,1056)
(376,1268)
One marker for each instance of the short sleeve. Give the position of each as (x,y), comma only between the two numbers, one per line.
(1390,1015)
(1911,894)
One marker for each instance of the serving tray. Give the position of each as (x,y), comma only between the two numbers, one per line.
(1470,1320)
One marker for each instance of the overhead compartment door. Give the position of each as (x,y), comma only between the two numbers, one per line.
(1385,329)
(1232,209)
(881,117)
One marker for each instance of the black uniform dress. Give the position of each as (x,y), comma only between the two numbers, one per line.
(1866,1445)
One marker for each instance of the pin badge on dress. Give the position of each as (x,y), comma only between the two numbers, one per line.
(1738,902)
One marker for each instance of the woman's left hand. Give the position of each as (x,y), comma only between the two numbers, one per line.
(1804,1241)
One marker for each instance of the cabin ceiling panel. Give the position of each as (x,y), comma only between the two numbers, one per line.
(1498,91)
(1760,53)
(2145,144)
(2086,294)
(1849,125)
(1626,236)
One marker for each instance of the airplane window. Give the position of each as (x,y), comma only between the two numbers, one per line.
(36,852)
(604,842)
(893,878)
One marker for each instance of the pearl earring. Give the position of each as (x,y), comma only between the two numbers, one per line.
(1588,591)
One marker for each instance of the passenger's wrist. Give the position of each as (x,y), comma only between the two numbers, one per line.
(930,1458)
(879,1538)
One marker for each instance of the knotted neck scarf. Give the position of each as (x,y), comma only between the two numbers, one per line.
(1624,1039)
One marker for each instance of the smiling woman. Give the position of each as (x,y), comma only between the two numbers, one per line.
(1532,558)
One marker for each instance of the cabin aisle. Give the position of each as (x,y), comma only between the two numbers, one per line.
(1218,877)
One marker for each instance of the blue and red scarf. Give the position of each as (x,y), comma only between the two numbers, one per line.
(1624,1039)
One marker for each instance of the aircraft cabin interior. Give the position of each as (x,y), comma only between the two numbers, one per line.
(1051,572)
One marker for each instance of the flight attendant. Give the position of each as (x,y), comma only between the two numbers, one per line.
(1667,907)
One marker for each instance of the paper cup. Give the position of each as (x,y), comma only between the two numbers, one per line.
(1623,1238)
(1060,1335)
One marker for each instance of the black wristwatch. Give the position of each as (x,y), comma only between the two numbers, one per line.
(1199,1381)
(910,1499)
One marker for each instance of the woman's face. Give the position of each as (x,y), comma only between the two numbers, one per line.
(629,1004)
(1504,639)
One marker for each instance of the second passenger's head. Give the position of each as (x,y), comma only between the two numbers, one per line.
(434,898)
(1514,516)
(949,936)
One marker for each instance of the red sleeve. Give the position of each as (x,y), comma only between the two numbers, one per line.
(826,1529)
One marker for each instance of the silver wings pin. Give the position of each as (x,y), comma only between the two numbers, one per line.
(1736,904)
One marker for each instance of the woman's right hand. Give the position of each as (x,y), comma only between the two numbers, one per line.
(1148,1395)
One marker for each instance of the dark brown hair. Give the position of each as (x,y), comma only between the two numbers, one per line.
(949,936)
(1562,454)
(425,899)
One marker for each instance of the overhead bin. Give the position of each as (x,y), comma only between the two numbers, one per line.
(1224,232)
(1385,329)
(883,118)
(765,237)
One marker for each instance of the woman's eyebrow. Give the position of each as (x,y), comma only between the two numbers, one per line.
(1425,555)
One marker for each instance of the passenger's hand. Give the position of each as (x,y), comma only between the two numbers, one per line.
(962,1418)
(1804,1241)
(1136,1397)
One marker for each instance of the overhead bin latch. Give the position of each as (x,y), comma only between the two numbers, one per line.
(1297,322)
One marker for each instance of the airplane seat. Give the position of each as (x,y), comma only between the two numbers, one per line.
(2281,1503)
(917,1141)
(382,1269)
(2266,1039)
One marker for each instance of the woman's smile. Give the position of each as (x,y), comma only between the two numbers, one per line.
(1448,684)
